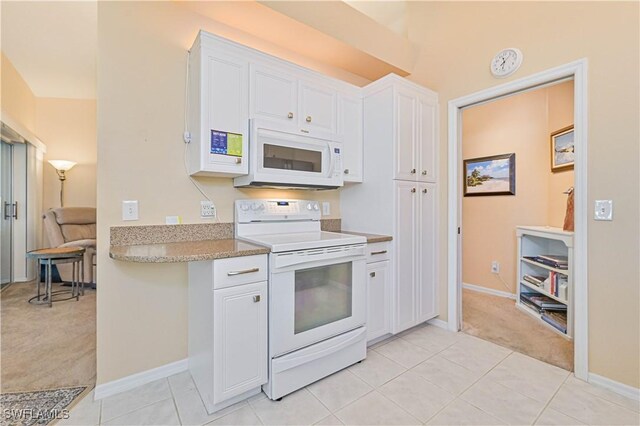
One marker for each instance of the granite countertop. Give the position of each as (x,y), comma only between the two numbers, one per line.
(371,238)
(185,251)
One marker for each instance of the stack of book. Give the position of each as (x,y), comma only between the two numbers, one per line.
(558,319)
(553,260)
(536,280)
(540,302)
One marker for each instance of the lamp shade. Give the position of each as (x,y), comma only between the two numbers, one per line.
(62,165)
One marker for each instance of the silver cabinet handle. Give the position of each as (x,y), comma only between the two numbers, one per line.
(246,271)
(413,190)
(424,191)
(346,171)
(372,274)
(256,299)
(424,172)
(413,171)
(378,252)
(304,131)
(290,115)
(308,119)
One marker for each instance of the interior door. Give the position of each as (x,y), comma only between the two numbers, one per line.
(6,204)
(426,253)
(405,297)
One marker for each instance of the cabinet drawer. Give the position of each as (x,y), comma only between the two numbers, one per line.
(239,270)
(377,252)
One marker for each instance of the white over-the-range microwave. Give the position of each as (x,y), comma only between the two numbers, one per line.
(279,157)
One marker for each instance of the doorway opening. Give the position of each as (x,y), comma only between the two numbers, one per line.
(575,73)
(516,193)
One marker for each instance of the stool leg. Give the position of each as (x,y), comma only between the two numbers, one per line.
(39,277)
(48,283)
(82,274)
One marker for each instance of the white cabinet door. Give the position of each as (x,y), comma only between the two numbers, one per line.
(222,102)
(405,147)
(426,139)
(317,106)
(351,130)
(274,95)
(239,340)
(378,298)
(405,291)
(426,252)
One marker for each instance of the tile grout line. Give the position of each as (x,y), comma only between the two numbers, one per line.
(551,399)
(466,389)
(141,407)
(173,398)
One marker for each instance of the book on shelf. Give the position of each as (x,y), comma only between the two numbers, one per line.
(555,261)
(557,319)
(543,302)
(536,280)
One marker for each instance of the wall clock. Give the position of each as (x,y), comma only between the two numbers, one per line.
(506,62)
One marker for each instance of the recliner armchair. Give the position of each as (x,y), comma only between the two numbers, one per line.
(73,227)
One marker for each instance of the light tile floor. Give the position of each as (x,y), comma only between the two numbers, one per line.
(424,376)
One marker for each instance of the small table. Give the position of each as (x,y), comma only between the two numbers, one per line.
(56,256)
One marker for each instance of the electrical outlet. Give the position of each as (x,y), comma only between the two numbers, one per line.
(326,208)
(130,210)
(495,267)
(603,210)
(207,209)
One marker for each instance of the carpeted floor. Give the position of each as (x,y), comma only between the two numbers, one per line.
(46,348)
(497,320)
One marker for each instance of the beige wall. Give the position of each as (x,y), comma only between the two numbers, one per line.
(142,309)
(69,128)
(458,40)
(517,124)
(16,98)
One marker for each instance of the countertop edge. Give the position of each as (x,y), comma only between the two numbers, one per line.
(371,238)
(186,258)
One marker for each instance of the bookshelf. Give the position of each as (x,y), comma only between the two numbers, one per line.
(545,291)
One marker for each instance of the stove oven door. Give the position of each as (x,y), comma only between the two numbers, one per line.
(314,295)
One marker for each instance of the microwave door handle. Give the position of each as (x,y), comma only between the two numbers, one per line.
(332,160)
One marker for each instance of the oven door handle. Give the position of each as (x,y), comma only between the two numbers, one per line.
(287,362)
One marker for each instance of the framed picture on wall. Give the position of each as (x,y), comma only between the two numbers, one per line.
(494,175)
(562,152)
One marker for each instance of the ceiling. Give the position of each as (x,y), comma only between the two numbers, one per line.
(53,45)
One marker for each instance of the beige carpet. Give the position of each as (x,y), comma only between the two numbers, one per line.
(497,320)
(46,348)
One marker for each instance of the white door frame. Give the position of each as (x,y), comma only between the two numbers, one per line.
(578,71)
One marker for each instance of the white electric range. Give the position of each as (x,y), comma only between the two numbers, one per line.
(317,291)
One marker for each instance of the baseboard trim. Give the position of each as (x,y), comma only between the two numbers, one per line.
(129,382)
(439,323)
(491,291)
(617,387)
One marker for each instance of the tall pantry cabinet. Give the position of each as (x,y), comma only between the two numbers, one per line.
(399,192)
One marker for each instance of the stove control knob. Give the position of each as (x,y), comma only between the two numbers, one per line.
(256,206)
(309,206)
(315,206)
(244,207)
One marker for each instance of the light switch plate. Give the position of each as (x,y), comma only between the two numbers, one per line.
(603,210)
(326,208)
(130,210)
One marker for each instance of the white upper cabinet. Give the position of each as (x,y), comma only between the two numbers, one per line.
(218,110)
(350,128)
(427,138)
(317,106)
(274,94)
(406,103)
(416,114)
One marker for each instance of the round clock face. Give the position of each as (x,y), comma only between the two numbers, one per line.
(506,62)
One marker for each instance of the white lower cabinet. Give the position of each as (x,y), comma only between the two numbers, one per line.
(239,340)
(378,300)
(228,329)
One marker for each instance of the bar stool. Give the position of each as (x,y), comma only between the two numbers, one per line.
(56,256)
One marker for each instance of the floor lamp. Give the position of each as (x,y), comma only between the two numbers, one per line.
(62,166)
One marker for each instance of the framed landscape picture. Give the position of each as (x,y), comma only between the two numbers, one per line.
(495,175)
(562,152)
